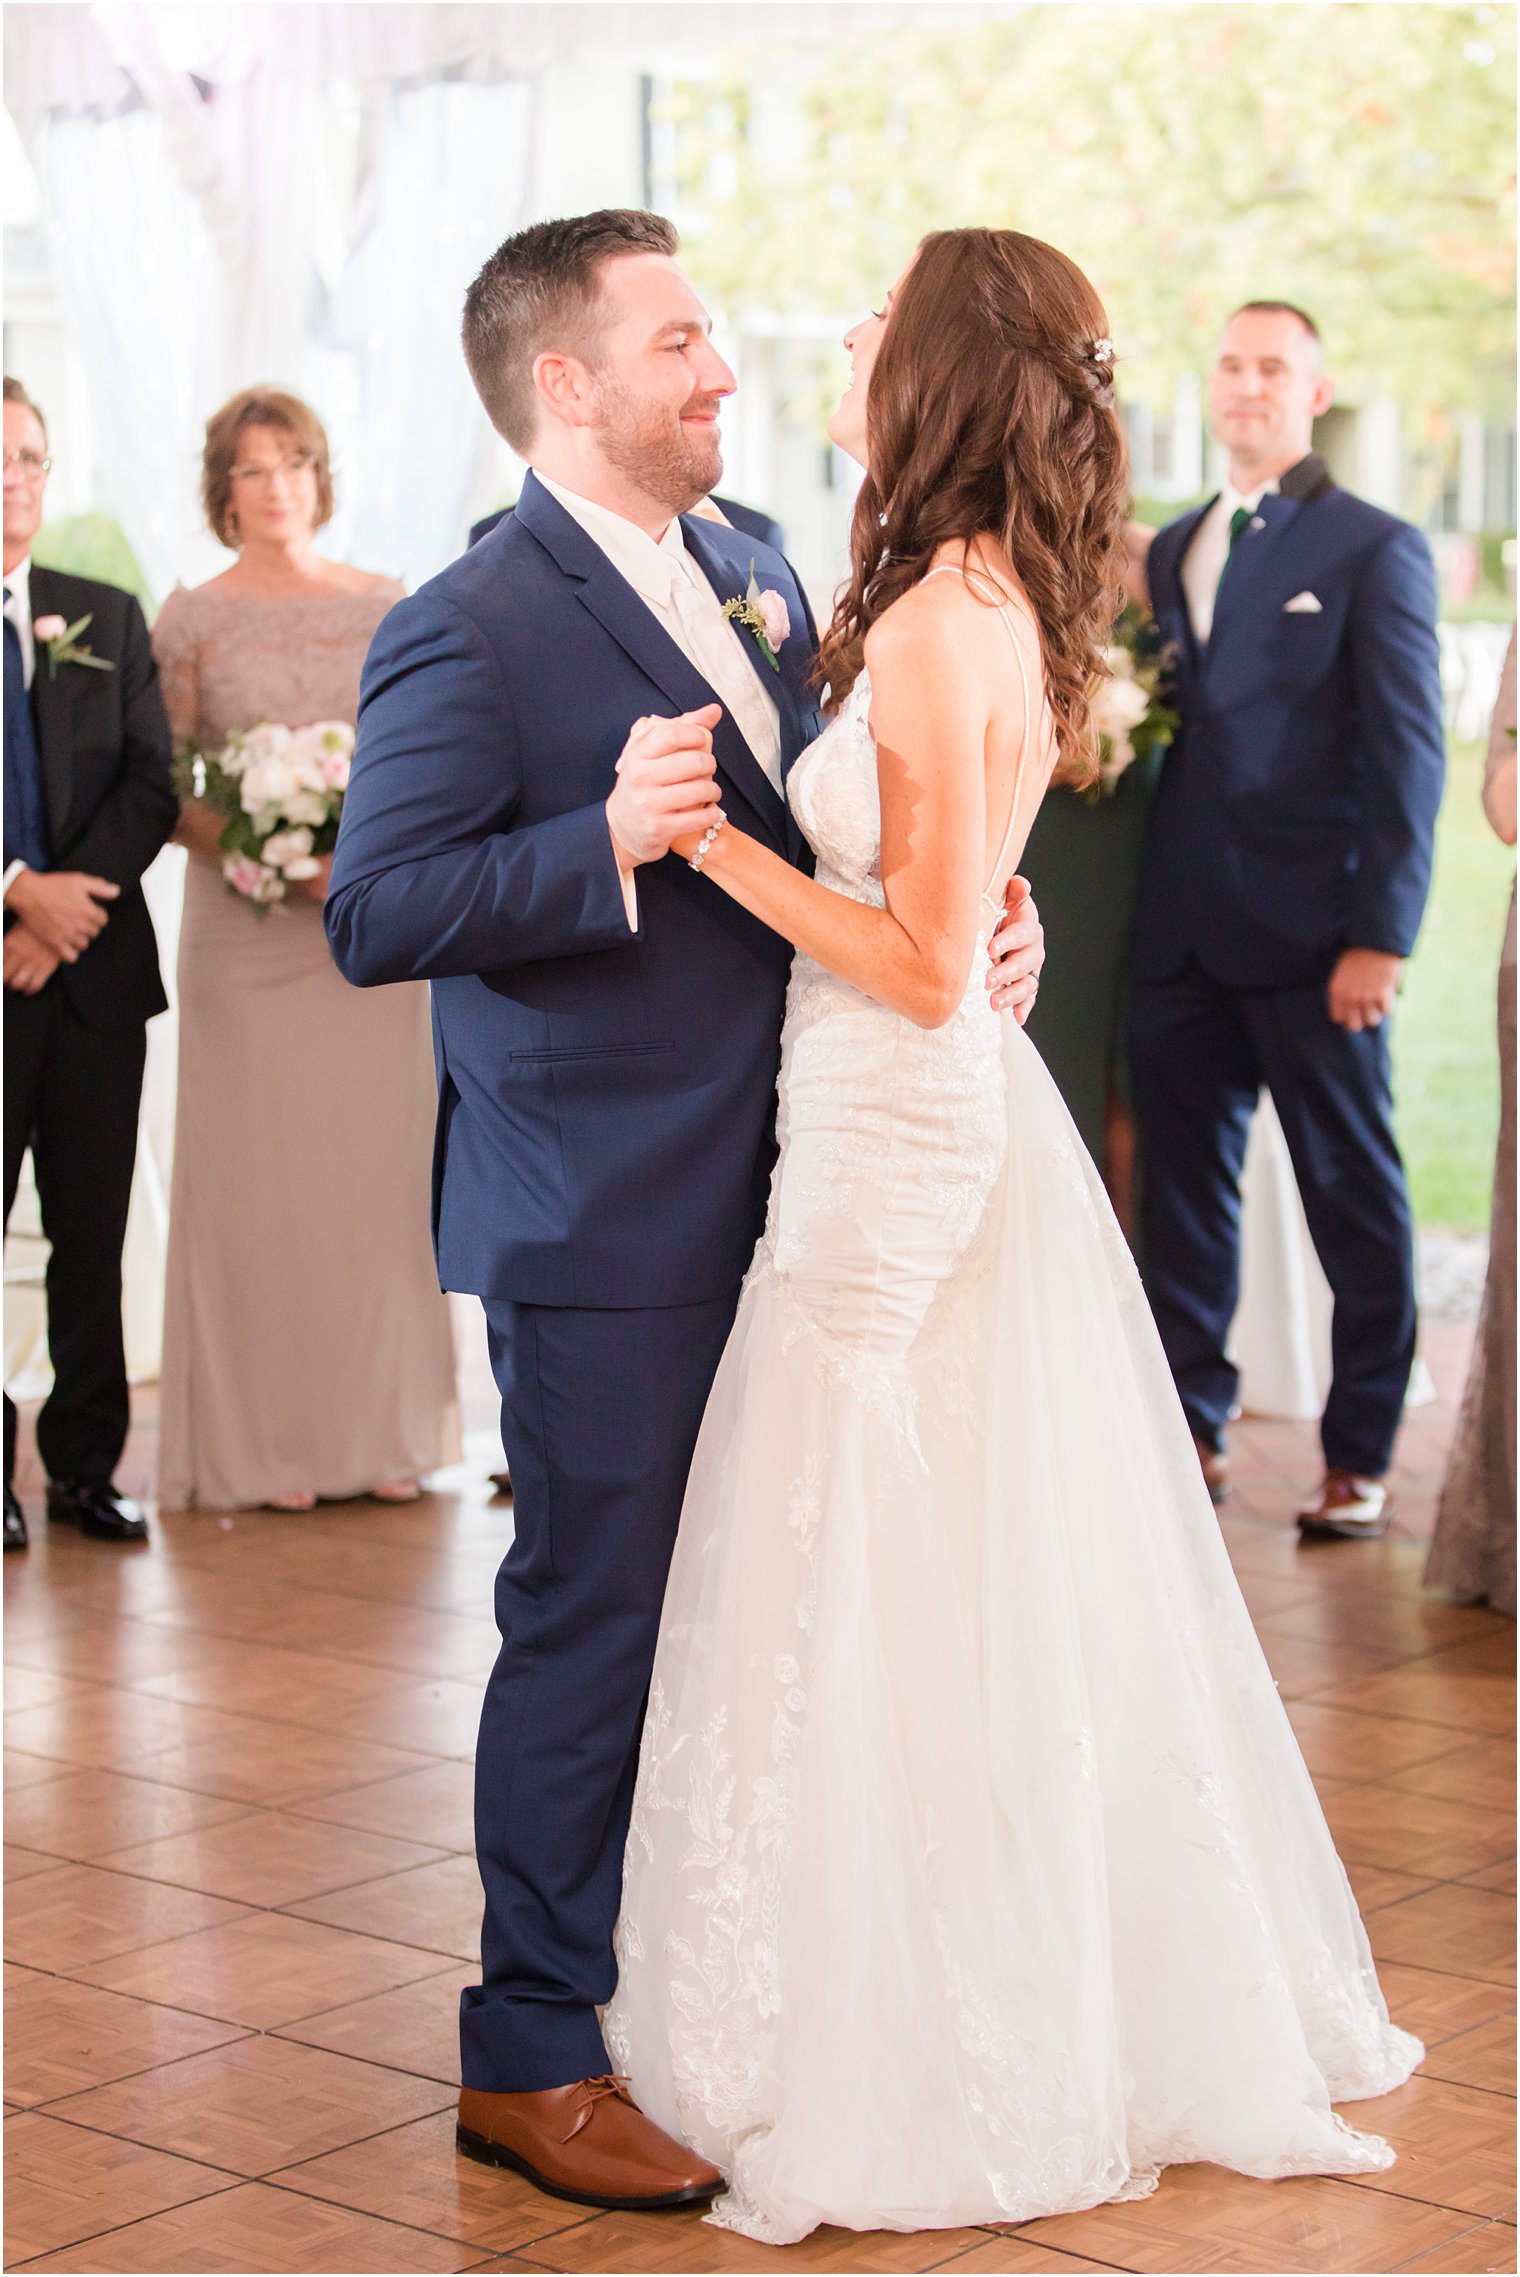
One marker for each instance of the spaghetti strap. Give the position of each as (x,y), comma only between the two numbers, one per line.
(1004,609)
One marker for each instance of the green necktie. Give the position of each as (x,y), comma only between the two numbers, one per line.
(1238,521)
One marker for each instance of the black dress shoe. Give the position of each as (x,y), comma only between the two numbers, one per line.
(98,1511)
(15,1521)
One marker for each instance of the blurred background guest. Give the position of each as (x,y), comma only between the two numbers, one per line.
(88,803)
(307,1348)
(1473,1554)
(1286,867)
(1083,862)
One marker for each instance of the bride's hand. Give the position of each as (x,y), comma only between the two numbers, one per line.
(1016,953)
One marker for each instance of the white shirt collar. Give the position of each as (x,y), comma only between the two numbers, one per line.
(648,564)
(18,591)
(1232,499)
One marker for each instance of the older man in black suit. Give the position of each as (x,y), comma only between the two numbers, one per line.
(88,803)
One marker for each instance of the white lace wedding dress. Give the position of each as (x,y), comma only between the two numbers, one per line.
(974,1872)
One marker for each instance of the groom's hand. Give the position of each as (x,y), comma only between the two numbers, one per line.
(666,787)
(1016,953)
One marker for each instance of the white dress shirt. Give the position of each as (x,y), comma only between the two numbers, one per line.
(671,585)
(1203,563)
(18,607)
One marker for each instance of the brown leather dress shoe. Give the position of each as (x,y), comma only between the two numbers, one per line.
(1215,1466)
(1349,1509)
(589,2143)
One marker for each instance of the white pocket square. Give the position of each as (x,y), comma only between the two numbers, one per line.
(1302,605)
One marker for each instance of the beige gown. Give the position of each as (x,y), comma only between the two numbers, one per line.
(307,1345)
(1472,1557)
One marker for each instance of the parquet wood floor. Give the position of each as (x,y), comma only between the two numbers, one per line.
(241,1903)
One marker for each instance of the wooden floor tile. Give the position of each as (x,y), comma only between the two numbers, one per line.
(1202,2219)
(438,1907)
(434,1805)
(415,2175)
(1483,2057)
(1481,1771)
(113,1730)
(115,1652)
(35,1687)
(439,1717)
(1490,2246)
(255,2227)
(1442,1836)
(1470,1932)
(1501,1877)
(1008,2256)
(19,1863)
(262,1970)
(1348,1746)
(22,1770)
(615,2243)
(1423,1691)
(413,2028)
(63,2183)
(84,1815)
(1436,2007)
(61,2038)
(256,1678)
(269,1858)
(1377,1886)
(77,1916)
(274,1764)
(1456,2145)
(255,2105)
(1302,1666)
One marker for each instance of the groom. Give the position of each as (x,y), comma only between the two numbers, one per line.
(607,1030)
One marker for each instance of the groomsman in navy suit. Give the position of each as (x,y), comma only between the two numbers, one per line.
(1284,878)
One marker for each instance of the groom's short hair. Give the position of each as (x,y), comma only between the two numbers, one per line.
(541,289)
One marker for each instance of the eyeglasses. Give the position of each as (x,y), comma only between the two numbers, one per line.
(28,463)
(290,468)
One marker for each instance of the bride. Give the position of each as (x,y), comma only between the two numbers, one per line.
(974,1873)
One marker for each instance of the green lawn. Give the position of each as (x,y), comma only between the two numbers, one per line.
(1446,1069)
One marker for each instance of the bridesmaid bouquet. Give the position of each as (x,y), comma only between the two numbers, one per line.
(1128,711)
(281,789)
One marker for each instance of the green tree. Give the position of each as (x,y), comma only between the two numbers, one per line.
(1357,159)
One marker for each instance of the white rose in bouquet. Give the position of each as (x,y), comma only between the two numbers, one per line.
(1120,704)
(266,784)
(252,879)
(282,847)
(306,807)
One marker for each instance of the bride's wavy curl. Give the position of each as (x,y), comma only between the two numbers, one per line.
(991,411)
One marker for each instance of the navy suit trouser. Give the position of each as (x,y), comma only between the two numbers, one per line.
(1200,1054)
(599,1416)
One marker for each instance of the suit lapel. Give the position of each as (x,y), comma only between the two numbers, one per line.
(1172,602)
(711,548)
(52,710)
(1249,567)
(638,632)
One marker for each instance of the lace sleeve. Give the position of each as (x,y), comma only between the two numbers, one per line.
(174,646)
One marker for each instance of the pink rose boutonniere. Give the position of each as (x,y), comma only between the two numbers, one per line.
(63,645)
(764,614)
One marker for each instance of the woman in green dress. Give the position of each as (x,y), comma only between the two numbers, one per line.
(1083,861)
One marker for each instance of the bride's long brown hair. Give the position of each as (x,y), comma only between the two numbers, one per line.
(991,412)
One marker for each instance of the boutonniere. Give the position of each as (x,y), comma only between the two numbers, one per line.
(765,615)
(61,640)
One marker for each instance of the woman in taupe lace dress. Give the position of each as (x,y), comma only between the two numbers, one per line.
(307,1347)
(1473,1555)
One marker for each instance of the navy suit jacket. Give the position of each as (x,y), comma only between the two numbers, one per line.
(1296,810)
(606,1098)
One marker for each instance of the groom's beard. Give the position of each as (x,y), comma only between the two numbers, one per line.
(672,463)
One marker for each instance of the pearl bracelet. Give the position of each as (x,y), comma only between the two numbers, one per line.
(705,844)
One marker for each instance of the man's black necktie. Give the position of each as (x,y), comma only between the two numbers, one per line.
(26,831)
